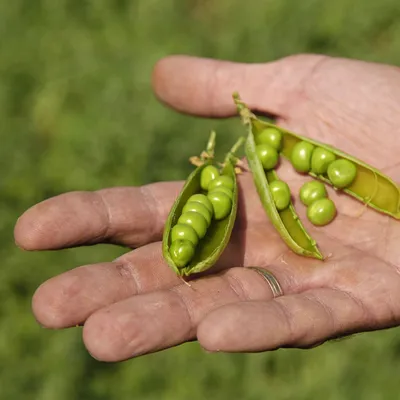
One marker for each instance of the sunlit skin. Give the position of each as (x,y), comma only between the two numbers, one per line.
(137,305)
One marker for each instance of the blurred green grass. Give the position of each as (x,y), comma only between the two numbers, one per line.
(75,96)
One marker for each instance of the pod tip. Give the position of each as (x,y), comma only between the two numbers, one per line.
(236,95)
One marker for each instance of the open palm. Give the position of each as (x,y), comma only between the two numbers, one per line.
(136,304)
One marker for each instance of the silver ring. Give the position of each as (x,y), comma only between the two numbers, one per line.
(271,280)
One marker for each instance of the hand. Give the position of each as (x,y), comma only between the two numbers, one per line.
(136,304)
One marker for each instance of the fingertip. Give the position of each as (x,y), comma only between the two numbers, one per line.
(111,338)
(67,300)
(157,77)
(209,337)
(25,233)
(61,221)
(197,86)
(47,308)
(96,335)
(216,332)
(40,226)
(176,80)
(162,68)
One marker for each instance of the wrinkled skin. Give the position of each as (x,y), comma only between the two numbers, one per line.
(136,305)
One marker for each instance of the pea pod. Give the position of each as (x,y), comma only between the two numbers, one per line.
(369,185)
(285,221)
(210,247)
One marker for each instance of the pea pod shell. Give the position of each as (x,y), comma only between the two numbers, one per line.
(218,234)
(286,221)
(370,186)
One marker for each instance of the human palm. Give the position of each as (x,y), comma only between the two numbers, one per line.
(136,304)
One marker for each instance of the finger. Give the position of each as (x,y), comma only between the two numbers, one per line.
(204,87)
(299,320)
(127,215)
(162,319)
(70,298)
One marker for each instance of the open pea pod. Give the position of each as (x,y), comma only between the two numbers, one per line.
(369,186)
(211,246)
(285,221)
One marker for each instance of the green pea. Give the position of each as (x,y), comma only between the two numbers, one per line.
(199,208)
(184,232)
(181,251)
(342,173)
(267,155)
(196,221)
(321,212)
(281,194)
(270,136)
(223,180)
(201,198)
(208,174)
(222,204)
(223,189)
(320,160)
(301,156)
(312,191)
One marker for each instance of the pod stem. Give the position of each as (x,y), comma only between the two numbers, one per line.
(205,154)
(237,145)
(211,144)
(231,154)
(243,109)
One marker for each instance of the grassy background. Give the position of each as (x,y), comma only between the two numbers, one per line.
(75,96)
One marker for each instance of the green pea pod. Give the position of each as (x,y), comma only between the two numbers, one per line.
(218,234)
(285,221)
(370,186)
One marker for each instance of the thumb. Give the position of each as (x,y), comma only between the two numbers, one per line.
(204,87)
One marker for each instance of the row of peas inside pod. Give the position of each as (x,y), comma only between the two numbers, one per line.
(200,222)
(320,162)
(214,202)
(268,145)
(266,142)
(305,157)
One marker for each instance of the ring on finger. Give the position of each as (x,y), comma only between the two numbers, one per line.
(271,280)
